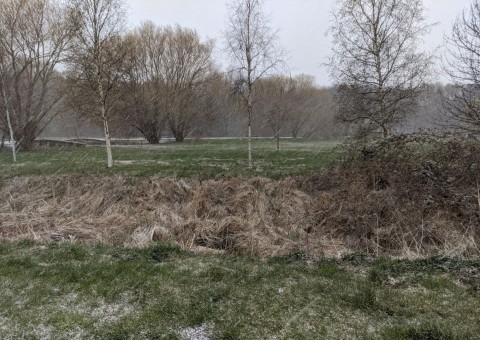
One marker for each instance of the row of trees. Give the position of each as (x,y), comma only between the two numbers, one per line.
(305,109)
(56,56)
(78,56)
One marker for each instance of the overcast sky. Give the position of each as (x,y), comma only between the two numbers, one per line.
(302,25)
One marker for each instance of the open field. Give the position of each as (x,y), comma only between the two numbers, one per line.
(395,201)
(67,291)
(202,158)
(181,241)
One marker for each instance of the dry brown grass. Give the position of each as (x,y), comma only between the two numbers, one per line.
(408,196)
(386,200)
(251,216)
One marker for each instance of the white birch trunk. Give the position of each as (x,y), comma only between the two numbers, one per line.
(108,143)
(250,110)
(106,130)
(278,140)
(12,137)
(250,164)
(10,128)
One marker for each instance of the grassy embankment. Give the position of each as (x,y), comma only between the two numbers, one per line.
(65,291)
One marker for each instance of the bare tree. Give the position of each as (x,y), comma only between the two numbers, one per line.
(275,103)
(34,35)
(144,85)
(309,102)
(462,64)
(376,64)
(226,117)
(294,106)
(187,73)
(254,51)
(97,60)
(170,77)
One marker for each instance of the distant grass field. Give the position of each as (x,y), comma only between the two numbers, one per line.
(67,291)
(203,158)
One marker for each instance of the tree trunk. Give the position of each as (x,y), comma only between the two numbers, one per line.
(106,130)
(151,134)
(26,136)
(386,133)
(108,143)
(250,163)
(12,136)
(153,139)
(179,134)
(10,128)
(278,140)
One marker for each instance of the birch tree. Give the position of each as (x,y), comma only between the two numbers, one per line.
(462,64)
(376,63)
(254,51)
(97,60)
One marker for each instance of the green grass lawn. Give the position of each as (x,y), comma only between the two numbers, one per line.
(66,291)
(204,159)
(89,291)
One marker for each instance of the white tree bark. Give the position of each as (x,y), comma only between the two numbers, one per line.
(108,143)
(97,59)
(250,114)
(12,137)
(106,130)
(9,123)
(254,51)
(250,164)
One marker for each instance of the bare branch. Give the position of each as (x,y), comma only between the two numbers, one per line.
(462,64)
(375,63)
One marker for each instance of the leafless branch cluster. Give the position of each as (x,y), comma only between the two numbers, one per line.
(286,105)
(164,80)
(462,64)
(254,51)
(170,75)
(376,63)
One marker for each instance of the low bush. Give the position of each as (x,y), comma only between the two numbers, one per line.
(408,195)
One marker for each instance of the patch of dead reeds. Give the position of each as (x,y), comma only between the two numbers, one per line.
(403,197)
(249,216)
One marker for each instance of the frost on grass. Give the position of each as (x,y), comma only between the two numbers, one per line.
(196,333)
(97,312)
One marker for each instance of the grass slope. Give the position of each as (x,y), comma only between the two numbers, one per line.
(204,158)
(66,291)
